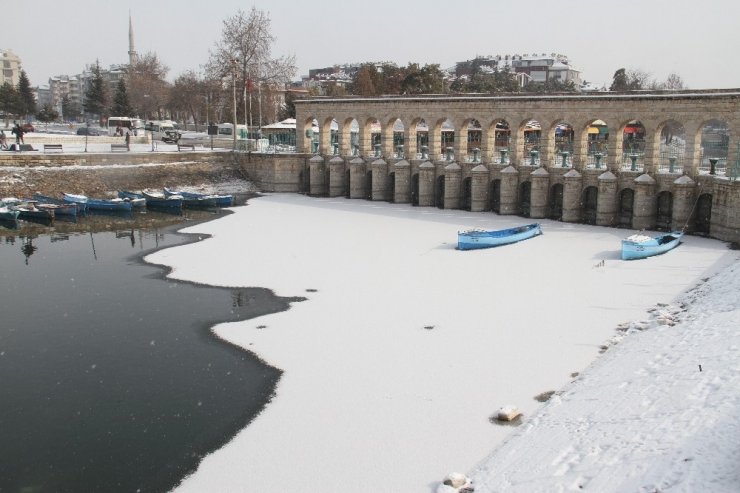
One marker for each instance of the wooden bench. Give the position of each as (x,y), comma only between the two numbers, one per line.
(180,147)
(119,147)
(53,147)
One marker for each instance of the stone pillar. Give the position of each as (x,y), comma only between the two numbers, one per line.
(684,189)
(547,149)
(386,141)
(607,206)
(572,189)
(461,142)
(336,177)
(409,142)
(645,213)
(453,176)
(402,188)
(488,144)
(509,191)
(540,187)
(435,142)
(365,140)
(379,169)
(479,188)
(325,148)
(345,138)
(357,178)
(516,148)
(317,176)
(426,184)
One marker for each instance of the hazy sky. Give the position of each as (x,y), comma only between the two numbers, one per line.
(696,39)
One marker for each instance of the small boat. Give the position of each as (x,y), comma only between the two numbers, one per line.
(28,211)
(64,208)
(136,199)
(7,214)
(643,246)
(202,199)
(118,205)
(480,238)
(160,201)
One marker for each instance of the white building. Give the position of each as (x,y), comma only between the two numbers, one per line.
(11,67)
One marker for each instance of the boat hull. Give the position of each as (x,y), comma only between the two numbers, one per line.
(118,205)
(475,239)
(202,199)
(633,250)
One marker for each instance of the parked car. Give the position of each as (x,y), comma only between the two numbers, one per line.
(88,131)
(27,127)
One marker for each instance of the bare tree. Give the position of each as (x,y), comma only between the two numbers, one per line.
(243,57)
(148,89)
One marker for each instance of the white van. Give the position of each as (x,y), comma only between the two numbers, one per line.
(227,129)
(123,124)
(162,129)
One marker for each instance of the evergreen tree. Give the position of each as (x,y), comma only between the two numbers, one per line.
(121,105)
(47,114)
(26,101)
(96,97)
(8,101)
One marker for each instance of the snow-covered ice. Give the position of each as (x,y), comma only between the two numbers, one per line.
(405,348)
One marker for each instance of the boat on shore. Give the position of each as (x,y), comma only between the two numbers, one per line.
(160,201)
(639,246)
(62,207)
(193,199)
(27,210)
(473,239)
(117,205)
(8,215)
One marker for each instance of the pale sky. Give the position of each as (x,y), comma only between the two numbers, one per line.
(696,39)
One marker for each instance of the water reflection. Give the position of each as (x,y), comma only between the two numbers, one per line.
(109,376)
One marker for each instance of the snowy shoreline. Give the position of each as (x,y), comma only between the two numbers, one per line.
(371,398)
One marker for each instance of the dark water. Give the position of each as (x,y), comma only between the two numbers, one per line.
(110,379)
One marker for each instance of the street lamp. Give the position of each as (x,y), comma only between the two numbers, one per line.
(87,132)
(233,86)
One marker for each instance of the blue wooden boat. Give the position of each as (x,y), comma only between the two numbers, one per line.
(473,239)
(117,205)
(7,214)
(28,211)
(159,201)
(61,208)
(202,199)
(643,246)
(136,199)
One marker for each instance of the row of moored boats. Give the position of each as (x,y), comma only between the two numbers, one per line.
(636,246)
(43,208)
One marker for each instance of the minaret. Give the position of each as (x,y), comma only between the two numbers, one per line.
(131,49)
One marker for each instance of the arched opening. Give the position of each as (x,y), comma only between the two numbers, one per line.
(501,142)
(564,136)
(439,192)
(447,140)
(715,140)
(633,146)
(525,198)
(415,189)
(531,143)
(702,217)
(369,185)
(597,147)
(626,207)
(555,202)
(495,196)
(376,137)
(398,139)
(346,183)
(392,187)
(467,194)
(589,203)
(334,137)
(422,140)
(475,141)
(664,217)
(672,147)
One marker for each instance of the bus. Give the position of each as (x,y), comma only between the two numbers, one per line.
(118,125)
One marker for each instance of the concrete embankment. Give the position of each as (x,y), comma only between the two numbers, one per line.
(99,174)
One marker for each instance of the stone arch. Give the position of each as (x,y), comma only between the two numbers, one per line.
(589,204)
(326,134)
(397,131)
(525,198)
(495,196)
(561,141)
(473,140)
(555,202)
(418,145)
(467,194)
(305,140)
(671,138)
(445,129)
(373,132)
(702,217)
(415,189)
(501,139)
(634,136)
(714,142)
(349,137)
(529,134)
(439,192)
(626,207)
(595,143)
(664,215)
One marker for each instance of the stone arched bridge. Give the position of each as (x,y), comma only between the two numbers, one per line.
(654,160)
